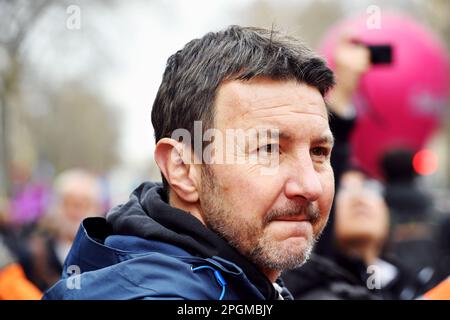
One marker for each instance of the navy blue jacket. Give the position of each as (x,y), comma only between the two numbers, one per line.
(146,249)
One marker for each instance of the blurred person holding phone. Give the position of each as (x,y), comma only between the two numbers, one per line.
(362,230)
(359,267)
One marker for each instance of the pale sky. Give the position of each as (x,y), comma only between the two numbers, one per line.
(138,36)
(149,34)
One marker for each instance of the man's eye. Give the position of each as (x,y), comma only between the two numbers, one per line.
(269,148)
(320,151)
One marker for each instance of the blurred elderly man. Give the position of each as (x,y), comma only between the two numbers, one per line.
(77,196)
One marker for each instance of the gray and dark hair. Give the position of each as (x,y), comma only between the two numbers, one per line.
(194,73)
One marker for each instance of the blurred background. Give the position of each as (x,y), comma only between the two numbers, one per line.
(77,81)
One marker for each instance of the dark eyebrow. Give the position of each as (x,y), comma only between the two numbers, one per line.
(285,135)
(325,139)
(272,133)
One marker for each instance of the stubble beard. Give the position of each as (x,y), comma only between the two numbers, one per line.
(250,237)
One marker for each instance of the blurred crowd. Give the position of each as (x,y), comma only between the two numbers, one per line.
(385,238)
(37,227)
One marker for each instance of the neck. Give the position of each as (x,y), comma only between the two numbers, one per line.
(367,251)
(271,274)
(193,209)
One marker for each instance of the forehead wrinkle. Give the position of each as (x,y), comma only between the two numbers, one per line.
(286,109)
(310,113)
(271,122)
(268,107)
(247,105)
(287,114)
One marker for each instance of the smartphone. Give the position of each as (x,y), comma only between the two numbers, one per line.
(380,54)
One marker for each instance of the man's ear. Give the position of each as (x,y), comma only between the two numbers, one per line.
(177,167)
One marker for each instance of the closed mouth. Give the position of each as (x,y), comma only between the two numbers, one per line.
(293,219)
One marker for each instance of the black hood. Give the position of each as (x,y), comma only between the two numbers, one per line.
(148,215)
(322,279)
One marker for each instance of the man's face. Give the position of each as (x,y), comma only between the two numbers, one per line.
(273,219)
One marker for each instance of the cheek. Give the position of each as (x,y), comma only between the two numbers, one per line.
(326,199)
(246,191)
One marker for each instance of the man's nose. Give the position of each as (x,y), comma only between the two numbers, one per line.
(304,181)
